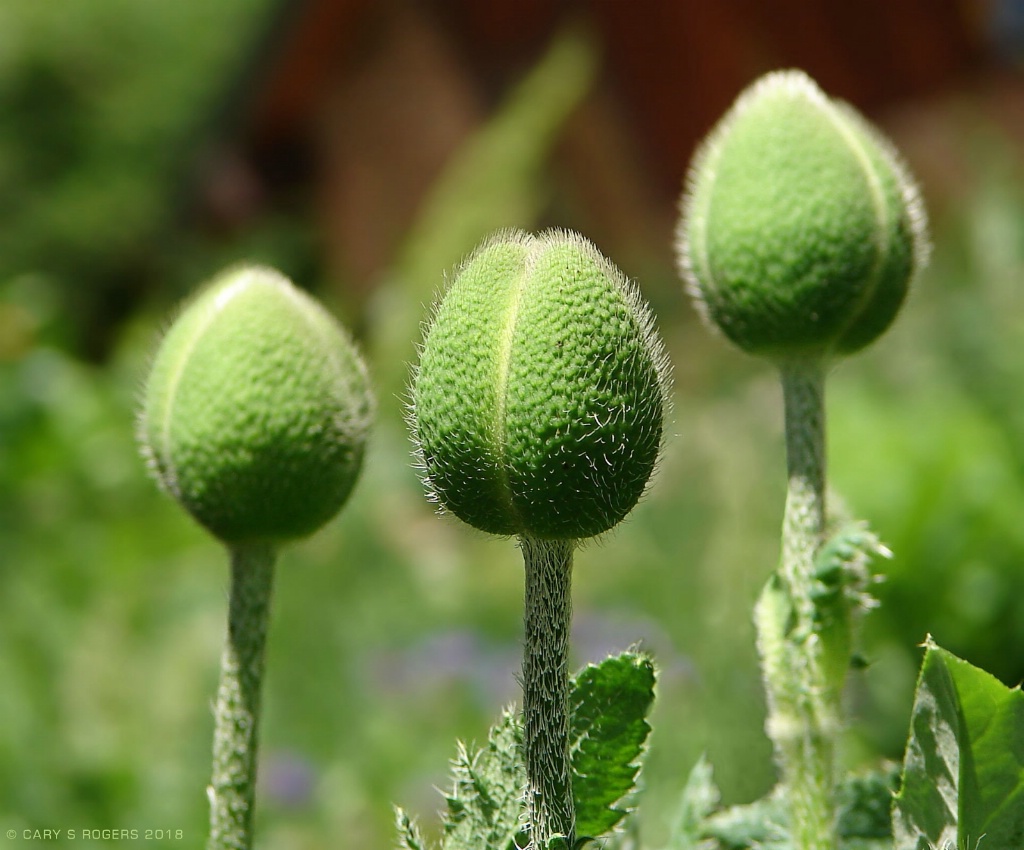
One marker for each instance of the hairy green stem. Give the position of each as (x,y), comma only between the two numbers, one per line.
(803,720)
(546,689)
(235,740)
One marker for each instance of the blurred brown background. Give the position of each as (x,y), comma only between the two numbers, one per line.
(354,107)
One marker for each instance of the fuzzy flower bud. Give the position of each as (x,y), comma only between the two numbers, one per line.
(538,404)
(256,410)
(801,228)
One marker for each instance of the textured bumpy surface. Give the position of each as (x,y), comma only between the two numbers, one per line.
(801,229)
(232,788)
(256,410)
(538,403)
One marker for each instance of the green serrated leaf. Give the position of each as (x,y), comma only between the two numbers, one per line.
(608,705)
(409,837)
(485,804)
(963,774)
(863,803)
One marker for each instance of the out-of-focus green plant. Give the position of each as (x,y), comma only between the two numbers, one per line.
(98,100)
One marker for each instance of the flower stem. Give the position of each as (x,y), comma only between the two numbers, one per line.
(235,740)
(546,689)
(802,716)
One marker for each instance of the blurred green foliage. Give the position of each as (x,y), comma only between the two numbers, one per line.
(100,106)
(394,631)
(927,438)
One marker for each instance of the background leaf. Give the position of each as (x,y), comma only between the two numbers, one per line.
(608,707)
(963,776)
(863,804)
(699,799)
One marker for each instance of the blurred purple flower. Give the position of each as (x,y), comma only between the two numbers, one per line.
(462,656)
(287,779)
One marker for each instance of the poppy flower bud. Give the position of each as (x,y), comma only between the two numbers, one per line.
(539,400)
(801,228)
(256,409)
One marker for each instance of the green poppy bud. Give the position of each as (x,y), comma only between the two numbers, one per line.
(256,410)
(801,228)
(539,400)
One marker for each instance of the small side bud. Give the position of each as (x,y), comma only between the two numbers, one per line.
(256,410)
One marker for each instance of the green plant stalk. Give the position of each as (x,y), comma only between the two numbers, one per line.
(547,624)
(803,717)
(237,713)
